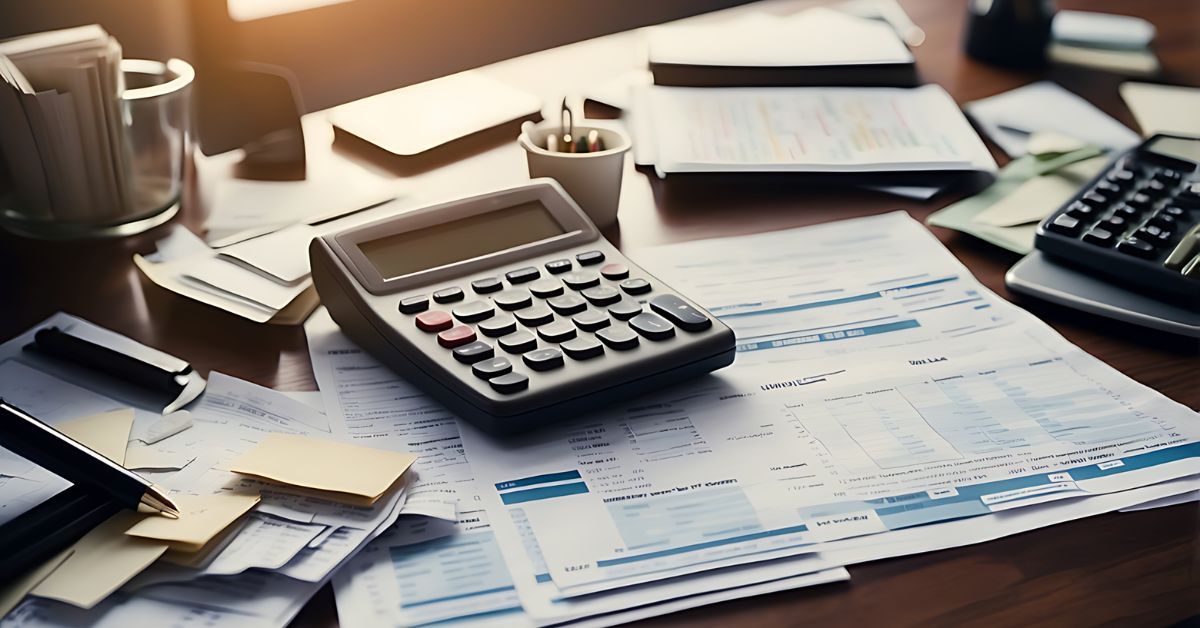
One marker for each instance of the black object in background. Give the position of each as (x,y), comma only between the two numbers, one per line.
(1010,33)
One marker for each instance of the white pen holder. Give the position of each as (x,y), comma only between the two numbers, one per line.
(592,179)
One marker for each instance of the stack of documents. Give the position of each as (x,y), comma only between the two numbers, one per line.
(61,133)
(1104,41)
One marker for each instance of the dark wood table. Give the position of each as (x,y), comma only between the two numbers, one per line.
(1136,568)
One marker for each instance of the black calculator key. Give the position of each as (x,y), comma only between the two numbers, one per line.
(519,342)
(1153,187)
(474,311)
(1126,211)
(522,275)
(635,286)
(1100,236)
(495,326)
(513,299)
(543,359)
(679,312)
(568,304)
(614,271)
(1166,221)
(556,332)
(509,383)
(1064,224)
(1080,210)
(487,285)
(582,348)
(474,352)
(1189,197)
(534,316)
(559,266)
(581,279)
(1095,199)
(412,305)
(546,288)
(592,320)
(1115,224)
(1137,248)
(652,326)
(1108,187)
(1140,201)
(1154,233)
(587,258)
(491,367)
(618,337)
(625,309)
(1121,176)
(602,295)
(448,295)
(1171,210)
(1168,176)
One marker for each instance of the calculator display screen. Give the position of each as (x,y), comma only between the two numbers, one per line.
(1179,148)
(482,234)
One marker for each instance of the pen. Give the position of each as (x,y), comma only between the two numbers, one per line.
(58,453)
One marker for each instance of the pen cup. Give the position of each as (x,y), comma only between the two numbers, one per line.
(592,179)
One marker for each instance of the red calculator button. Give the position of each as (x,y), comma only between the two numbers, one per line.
(455,336)
(615,271)
(434,320)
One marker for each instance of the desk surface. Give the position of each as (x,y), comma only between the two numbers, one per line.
(1140,568)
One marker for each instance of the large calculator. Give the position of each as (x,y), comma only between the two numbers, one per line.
(1138,222)
(511,309)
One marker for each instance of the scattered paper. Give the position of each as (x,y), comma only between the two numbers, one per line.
(155,459)
(1163,108)
(1012,117)
(1036,198)
(201,518)
(170,425)
(324,465)
(282,255)
(12,593)
(106,433)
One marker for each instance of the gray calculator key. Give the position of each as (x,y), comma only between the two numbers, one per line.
(652,326)
(557,332)
(509,383)
(412,305)
(473,352)
(474,311)
(582,348)
(559,266)
(679,312)
(546,287)
(519,342)
(602,295)
(592,320)
(543,359)
(448,295)
(491,367)
(618,337)
(513,299)
(568,304)
(501,325)
(534,316)
(487,285)
(625,309)
(635,286)
(521,275)
(587,258)
(581,279)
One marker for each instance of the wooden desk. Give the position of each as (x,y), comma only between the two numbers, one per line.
(1141,568)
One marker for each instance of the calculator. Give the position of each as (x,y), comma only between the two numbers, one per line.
(511,309)
(1138,222)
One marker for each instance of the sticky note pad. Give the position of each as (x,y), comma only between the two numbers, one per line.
(201,518)
(100,562)
(324,465)
(106,433)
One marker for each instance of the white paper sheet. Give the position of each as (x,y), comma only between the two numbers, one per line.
(1011,117)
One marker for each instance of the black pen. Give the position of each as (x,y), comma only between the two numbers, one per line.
(62,455)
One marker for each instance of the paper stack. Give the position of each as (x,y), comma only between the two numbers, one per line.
(1104,41)
(61,132)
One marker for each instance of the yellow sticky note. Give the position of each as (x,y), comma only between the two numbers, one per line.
(100,562)
(324,465)
(107,433)
(201,518)
(12,593)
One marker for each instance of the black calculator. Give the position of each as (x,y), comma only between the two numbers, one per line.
(511,309)
(1138,222)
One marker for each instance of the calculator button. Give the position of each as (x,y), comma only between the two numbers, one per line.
(518,342)
(602,295)
(474,311)
(1153,188)
(473,352)
(559,266)
(1095,199)
(1064,224)
(1126,211)
(1177,212)
(509,383)
(1166,221)
(487,285)
(1137,248)
(412,305)
(557,332)
(1154,234)
(582,348)
(1140,201)
(636,286)
(434,320)
(679,312)
(591,320)
(618,337)
(543,359)
(1189,197)
(1080,210)
(491,367)
(498,326)
(456,336)
(588,258)
(1121,176)
(522,275)
(652,326)
(568,304)
(1115,224)
(448,295)
(513,299)
(1107,187)
(546,288)
(534,316)
(1168,176)
(581,279)
(1100,236)
(625,309)
(614,271)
